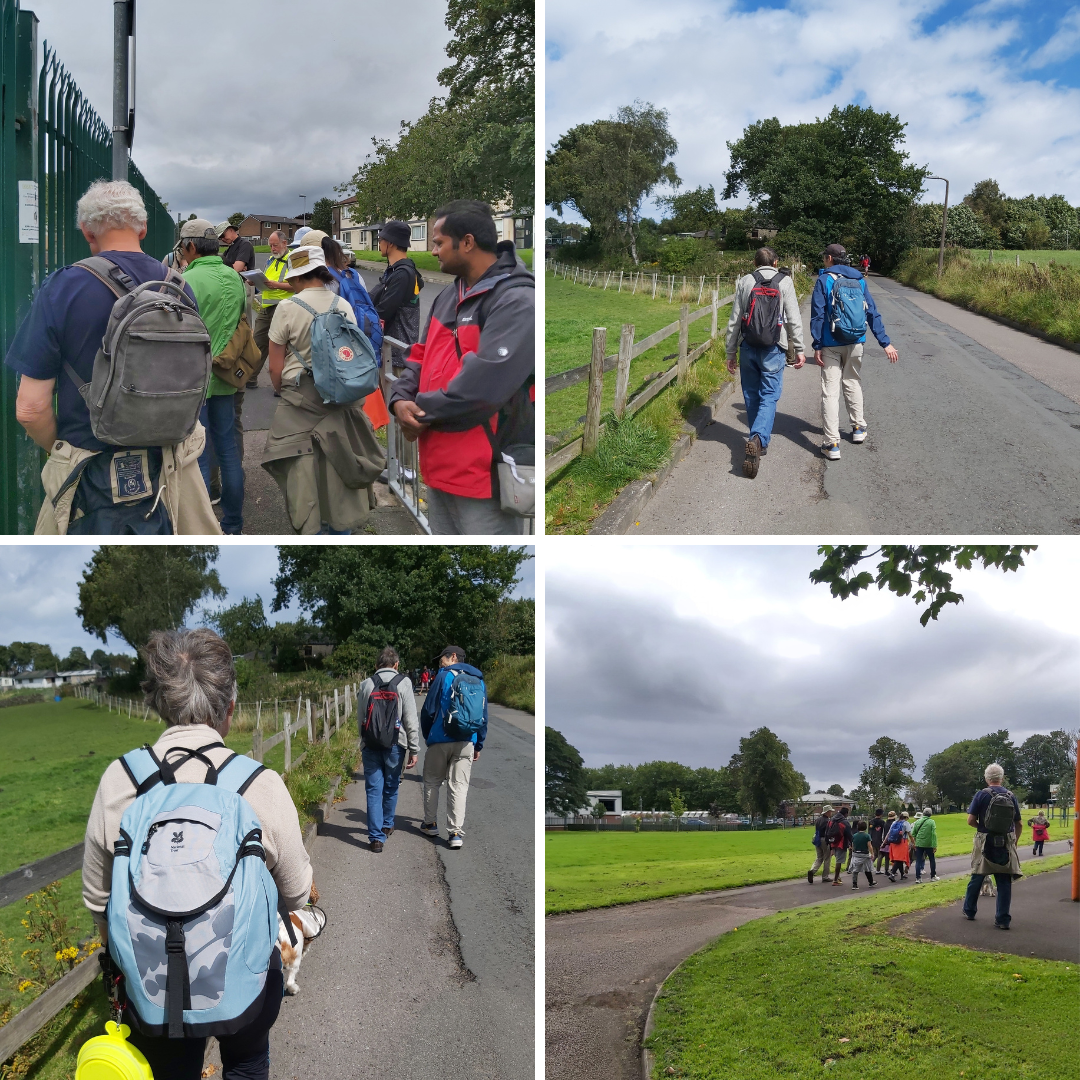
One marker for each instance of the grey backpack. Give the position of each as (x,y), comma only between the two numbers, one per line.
(153,367)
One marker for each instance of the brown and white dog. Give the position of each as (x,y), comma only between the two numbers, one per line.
(307,925)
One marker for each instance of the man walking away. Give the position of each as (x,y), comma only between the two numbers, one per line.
(840,309)
(90,486)
(397,294)
(765,319)
(466,391)
(861,859)
(824,854)
(877,835)
(838,837)
(269,299)
(995,815)
(924,834)
(389,736)
(454,721)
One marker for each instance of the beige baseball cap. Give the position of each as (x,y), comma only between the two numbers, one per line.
(303,260)
(220,229)
(198,227)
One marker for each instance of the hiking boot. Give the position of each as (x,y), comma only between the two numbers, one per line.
(838,882)
(376,845)
(1001,926)
(858,434)
(429,828)
(455,840)
(753,457)
(388,832)
(831,450)
(810,876)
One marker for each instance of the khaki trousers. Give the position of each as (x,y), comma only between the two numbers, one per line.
(843,365)
(452,762)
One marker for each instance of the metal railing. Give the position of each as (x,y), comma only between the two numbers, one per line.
(53,145)
(402,460)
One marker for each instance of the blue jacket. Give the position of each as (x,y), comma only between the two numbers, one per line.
(437,702)
(819,326)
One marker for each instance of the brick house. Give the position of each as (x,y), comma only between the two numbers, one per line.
(258,227)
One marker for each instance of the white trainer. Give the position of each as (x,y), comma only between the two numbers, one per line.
(455,840)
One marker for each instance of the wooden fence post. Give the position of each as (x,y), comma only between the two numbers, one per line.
(256,745)
(337,718)
(325,722)
(622,372)
(684,337)
(596,390)
(620,280)
(275,712)
(715,313)
(288,743)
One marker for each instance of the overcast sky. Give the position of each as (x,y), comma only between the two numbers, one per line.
(40,590)
(988,89)
(245,105)
(661,653)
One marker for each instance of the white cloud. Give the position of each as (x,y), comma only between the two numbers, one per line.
(1064,44)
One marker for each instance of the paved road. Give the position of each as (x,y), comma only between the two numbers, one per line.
(602,967)
(975,430)
(426,967)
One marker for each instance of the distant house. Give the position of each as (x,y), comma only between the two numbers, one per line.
(41,680)
(316,647)
(611,801)
(258,227)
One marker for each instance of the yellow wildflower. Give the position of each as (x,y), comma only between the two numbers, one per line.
(24,986)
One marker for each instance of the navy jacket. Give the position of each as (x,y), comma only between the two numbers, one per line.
(819,326)
(432,712)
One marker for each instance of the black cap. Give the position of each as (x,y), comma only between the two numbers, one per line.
(837,251)
(397,233)
(453,650)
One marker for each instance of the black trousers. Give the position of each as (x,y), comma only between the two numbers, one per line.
(244,1056)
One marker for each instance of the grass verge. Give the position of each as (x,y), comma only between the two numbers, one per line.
(828,987)
(511,681)
(1045,298)
(1043,257)
(599,869)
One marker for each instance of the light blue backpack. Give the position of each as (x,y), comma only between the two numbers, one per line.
(193,909)
(343,361)
(466,705)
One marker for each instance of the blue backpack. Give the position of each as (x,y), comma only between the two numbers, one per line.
(847,308)
(343,360)
(358,298)
(465,700)
(193,909)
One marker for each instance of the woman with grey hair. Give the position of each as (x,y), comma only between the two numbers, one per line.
(192,685)
(995,815)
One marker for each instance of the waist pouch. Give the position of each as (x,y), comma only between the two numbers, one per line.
(517,480)
(118,494)
(996,849)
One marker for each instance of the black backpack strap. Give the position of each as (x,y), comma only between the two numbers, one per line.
(285,914)
(168,769)
(395,681)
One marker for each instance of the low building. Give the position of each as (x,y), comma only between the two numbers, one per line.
(258,227)
(611,801)
(42,680)
(812,804)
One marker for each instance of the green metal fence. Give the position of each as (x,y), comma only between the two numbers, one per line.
(50,135)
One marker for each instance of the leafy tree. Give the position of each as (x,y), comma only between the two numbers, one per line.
(888,770)
(510,629)
(606,169)
(112,663)
(836,790)
(236,219)
(242,625)
(900,566)
(351,658)
(923,793)
(565,781)
(678,807)
(988,204)
(766,775)
(31,656)
(844,179)
(957,771)
(322,215)
(417,598)
(135,590)
(76,660)
(478,141)
(1043,760)
(963,228)
(692,211)
(862,798)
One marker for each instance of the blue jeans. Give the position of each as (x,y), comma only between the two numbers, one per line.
(920,856)
(762,374)
(1004,895)
(382,774)
(218,418)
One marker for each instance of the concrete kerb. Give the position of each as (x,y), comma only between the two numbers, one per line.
(628,504)
(313,829)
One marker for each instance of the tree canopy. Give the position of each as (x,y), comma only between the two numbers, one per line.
(242,625)
(889,769)
(565,780)
(133,590)
(901,566)
(764,772)
(606,169)
(322,215)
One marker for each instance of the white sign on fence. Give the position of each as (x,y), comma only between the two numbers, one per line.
(28,212)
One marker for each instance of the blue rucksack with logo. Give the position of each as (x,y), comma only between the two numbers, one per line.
(193,911)
(847,308)
(343,360)
(465,702)
(354,294)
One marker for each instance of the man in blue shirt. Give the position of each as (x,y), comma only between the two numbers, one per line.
(1001,860)
(841,360)
(445,758)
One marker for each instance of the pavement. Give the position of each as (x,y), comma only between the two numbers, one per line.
(975,430)
(426,966)
(603,967)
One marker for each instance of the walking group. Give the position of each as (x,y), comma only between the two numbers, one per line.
(133,374)
(765,335)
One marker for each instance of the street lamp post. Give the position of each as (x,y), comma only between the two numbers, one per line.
(303,208)
(123,124)
(944,219)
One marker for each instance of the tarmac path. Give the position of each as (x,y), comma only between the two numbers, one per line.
(603,967)
(975,430)
(426,966)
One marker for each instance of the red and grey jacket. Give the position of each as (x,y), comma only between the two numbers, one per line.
(472,372)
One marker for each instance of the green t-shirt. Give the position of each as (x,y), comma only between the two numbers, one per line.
(219,290)
(860,843)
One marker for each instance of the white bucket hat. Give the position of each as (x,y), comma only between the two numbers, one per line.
(303,260)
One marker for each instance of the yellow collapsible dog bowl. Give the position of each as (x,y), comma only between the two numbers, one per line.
(112,1057)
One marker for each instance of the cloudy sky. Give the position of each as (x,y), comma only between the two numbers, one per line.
(988,89)
(675,653)
(245,105)
(40,590)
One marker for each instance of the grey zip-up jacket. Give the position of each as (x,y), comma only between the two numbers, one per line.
(792,328)
(409,733)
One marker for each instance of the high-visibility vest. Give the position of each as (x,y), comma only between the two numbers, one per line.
(274,271)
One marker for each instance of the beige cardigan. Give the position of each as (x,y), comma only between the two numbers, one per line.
(286,858)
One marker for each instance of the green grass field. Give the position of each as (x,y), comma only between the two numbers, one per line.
(597,869)
(827,987)
(1043,258)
